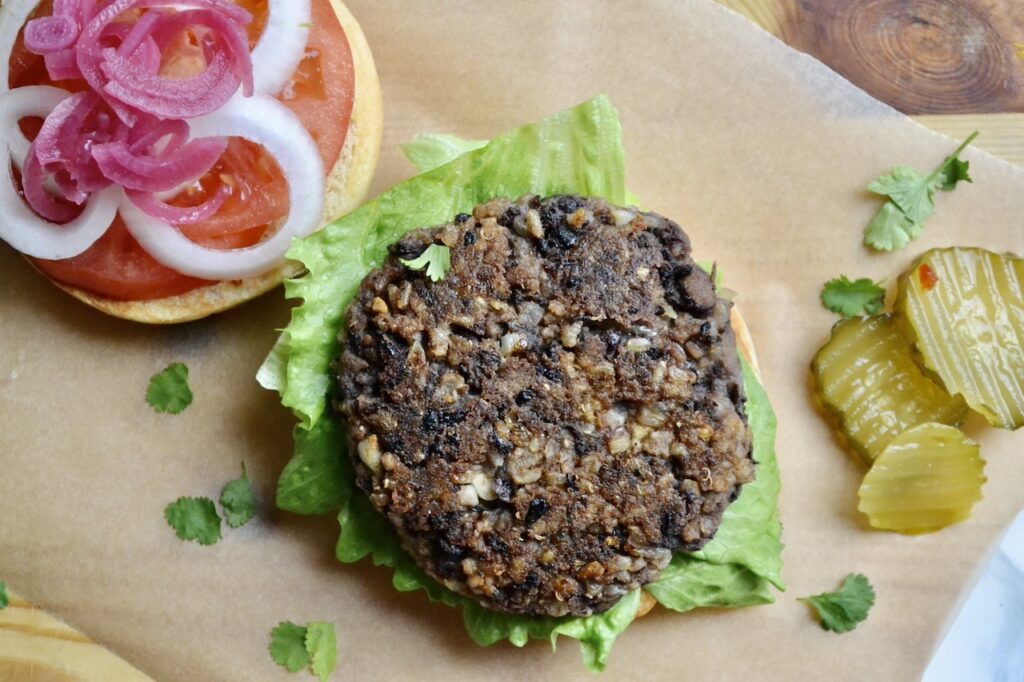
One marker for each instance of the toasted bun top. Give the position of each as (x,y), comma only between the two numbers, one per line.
(346,188)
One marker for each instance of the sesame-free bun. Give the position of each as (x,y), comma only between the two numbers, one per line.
(347,186)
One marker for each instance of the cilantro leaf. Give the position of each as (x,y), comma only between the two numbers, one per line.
(911,196)
(849,299)
(954,171)
(168,390)
(288,647)
(437,259)
(194,518)
(912,191)
(890,229)
(239,501)
(322,645)
(841,611)
(4,601)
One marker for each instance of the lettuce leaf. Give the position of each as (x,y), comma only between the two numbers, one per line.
(580,152)
(430,150)
(745,557)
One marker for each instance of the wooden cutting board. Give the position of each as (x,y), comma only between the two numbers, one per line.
(955,65)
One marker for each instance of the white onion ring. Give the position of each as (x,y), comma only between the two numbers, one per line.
(282,45)
(21,227)
(267,122)
(35,101)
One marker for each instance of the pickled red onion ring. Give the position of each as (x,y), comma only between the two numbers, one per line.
(66,141)
(141,138)
(267,122)
(179,215)
(21,227)
(134,83)
(62,65)
(158,173)
(51,34)
(33,181)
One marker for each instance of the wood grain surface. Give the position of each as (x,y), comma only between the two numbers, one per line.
(954,65)
(34,647)
(957,65)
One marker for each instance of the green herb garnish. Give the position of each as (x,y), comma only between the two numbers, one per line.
(194,518)
(437,260)
(288,647)
(238,500)
(911,201)
(843,610)
(4,600)
(852,298)
(315,646)
(168,390)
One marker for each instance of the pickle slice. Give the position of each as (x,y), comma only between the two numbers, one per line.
(963,309)
(928,478)
(868,379)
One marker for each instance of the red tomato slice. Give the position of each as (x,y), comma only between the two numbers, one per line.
(321,94)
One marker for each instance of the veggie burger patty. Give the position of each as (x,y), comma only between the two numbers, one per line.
(546,425)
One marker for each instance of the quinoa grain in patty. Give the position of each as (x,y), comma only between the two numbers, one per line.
(547,424)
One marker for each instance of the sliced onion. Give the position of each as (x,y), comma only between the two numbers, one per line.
(68,136)
(47,35)
(265,121)
(31,101)
(33,184)
(142,137)
(133,82)
(282,45)
(59,134)
(21,227)
(159,173)
(62,66)
(152,206)
(230,31)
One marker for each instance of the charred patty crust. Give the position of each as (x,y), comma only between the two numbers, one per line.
(546,425)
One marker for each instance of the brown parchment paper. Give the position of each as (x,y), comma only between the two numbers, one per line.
(759,151)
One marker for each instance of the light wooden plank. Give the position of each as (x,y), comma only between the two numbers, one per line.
(35,647)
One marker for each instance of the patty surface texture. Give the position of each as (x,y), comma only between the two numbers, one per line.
(546,425)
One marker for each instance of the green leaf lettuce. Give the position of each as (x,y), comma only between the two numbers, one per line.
(578,151)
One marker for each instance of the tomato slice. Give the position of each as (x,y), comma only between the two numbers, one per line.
(321,94)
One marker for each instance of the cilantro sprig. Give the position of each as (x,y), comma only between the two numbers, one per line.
(168,390)
(315,646)
(437,260)
(238,500)
(843,610)
(196,518)
(851,298)
(911,195)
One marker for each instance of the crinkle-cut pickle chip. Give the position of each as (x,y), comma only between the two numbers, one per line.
(928,478)
(867,377)
(963,309)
